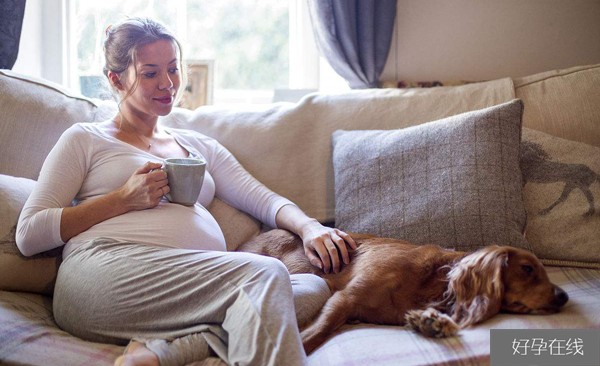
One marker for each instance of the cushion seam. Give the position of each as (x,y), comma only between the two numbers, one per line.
(554,76)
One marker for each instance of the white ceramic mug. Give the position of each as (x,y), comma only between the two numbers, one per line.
(186,176)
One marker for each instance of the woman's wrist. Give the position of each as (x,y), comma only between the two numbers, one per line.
(291,218)
(117,199)
(307,225)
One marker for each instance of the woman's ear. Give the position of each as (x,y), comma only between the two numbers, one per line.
(475,287)
(115,81)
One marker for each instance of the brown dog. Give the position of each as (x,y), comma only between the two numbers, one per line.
(432,290)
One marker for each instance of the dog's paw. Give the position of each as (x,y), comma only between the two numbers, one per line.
(431,323)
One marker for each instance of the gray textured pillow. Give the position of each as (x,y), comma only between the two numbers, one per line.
(455,182)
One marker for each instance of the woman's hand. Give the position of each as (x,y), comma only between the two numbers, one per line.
(145,188)
(322,245)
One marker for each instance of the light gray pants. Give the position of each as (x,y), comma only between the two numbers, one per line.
(183,302)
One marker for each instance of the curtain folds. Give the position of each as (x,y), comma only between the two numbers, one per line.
(11,22)
(354,36)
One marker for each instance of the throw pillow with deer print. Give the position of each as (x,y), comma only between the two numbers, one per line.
(561,190)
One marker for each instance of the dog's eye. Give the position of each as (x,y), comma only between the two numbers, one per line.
(527,269)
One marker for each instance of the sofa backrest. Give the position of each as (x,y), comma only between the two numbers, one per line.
(288,146)
(33,115)
(563,103)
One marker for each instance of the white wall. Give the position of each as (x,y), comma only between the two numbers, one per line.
(488,39)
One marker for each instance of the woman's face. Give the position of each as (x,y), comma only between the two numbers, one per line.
(157,68)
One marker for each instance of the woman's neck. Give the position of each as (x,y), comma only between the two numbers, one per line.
(131,123)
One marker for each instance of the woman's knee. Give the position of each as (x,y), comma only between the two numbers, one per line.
(263,265)
(310,294)
(274,270)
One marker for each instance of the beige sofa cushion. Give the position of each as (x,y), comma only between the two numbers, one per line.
(563,103)
(288,146)
(34,114)
(562,199)
(237,226)
(18,273)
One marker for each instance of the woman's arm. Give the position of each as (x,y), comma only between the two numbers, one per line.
(237,187)
(47,220)
(77,219)
(143,190)
(59,181)
(321,244)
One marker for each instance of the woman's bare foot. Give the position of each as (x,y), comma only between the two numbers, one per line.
(137,355)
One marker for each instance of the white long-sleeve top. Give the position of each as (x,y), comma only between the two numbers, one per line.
(87,163)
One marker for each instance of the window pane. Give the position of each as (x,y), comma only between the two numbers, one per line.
(248,39)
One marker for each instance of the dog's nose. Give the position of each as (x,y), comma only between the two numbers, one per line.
(560,297)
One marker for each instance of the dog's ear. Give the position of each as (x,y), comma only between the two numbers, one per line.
(475,287)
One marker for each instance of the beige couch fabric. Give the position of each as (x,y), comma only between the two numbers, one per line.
(238,227)
(34,114)
(288,146)
(562,199)
(563,103)
(35,274)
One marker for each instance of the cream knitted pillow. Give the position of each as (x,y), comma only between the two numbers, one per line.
(562,199)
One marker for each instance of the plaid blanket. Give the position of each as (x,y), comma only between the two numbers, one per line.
(29,336)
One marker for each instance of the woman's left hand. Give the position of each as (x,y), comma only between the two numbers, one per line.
(324,246)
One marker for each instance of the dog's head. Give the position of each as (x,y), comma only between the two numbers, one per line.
(500,278)
(527,288)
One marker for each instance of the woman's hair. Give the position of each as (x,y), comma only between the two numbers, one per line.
(124,39)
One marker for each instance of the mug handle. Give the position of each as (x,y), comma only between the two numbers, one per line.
(164,168)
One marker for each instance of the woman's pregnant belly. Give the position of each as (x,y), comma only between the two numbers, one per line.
(166,225)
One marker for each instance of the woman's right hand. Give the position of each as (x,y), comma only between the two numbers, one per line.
(145,188)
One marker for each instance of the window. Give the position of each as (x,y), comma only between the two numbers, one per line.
(258,46)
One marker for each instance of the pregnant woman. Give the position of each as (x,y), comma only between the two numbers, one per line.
(140,270)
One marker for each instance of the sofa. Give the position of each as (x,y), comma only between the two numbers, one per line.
(289,147)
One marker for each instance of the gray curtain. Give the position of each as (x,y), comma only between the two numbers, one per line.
(354,36)
(11,22)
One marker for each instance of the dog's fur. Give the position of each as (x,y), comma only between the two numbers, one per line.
(429,289)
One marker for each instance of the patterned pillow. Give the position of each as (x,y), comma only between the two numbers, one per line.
(37,273)
(561,192)
(455,182)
